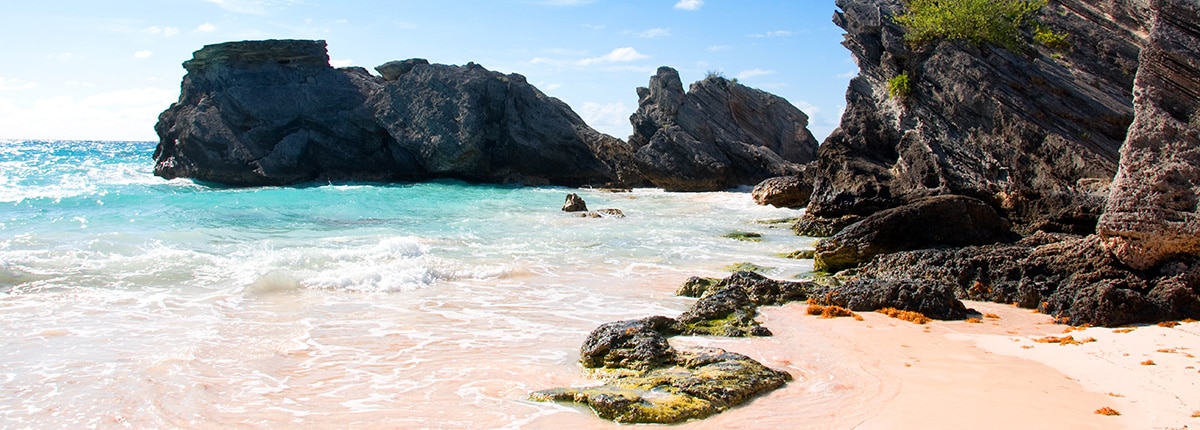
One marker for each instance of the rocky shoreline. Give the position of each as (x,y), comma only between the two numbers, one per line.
(1060,175)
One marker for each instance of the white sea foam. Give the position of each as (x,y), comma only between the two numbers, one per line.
(425,305)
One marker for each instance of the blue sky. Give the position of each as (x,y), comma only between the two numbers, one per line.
(105,70)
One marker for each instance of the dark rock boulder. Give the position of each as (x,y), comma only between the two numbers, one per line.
(716,136)
(637,344)
(726,312)
(1153,211)
(274,112)
(784,191)
(930,298)
(1030,133)
(815,226)
(574,203)
(931,222)
(1069,277)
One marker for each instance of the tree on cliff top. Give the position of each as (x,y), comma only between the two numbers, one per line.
(996,22)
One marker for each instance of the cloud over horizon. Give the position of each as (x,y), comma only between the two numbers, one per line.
(619,55)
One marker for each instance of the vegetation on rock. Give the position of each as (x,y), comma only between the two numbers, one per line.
(994,22)
(899,86)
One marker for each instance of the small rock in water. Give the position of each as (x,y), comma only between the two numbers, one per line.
(574,203)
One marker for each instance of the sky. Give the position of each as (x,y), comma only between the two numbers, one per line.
(94,70)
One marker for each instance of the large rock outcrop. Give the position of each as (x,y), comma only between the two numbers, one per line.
(1035,133)
(1153,211)
(940,221)
(717,135)
(274,112)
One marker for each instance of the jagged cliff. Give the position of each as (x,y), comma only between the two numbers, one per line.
(717,135)
(274,112)
(1034,133)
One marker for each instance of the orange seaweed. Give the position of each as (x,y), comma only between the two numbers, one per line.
(914,317)
(1107,411)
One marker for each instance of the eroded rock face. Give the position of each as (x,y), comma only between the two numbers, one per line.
(934,221)
(1153,211)
(717,135)
(1069,277)
(1030,133)
(274,112)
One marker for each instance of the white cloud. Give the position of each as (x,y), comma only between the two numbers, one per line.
(252,7)
(769,34)
(341,63)
(117,115)
(550,87)
(808,108)
(143,54)
(747,74)
(654,33)
(848,75)
(566,2)
(594,26)
(689,4)
(162,31)
(205,28)
(10,84)
(610,118)
(66,56)
(619,55)
(718,48)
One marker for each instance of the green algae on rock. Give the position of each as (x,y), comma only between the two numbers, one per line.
(697,384)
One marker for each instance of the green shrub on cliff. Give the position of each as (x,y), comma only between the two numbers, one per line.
(899,86)
(995,22)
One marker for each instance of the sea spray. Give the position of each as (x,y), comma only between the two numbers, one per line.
(406,305)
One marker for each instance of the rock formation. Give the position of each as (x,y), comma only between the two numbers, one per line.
(1035,141)
(274,112)
(717,135)
(939,221)
(1034,133)
(1153,211)
(649,381)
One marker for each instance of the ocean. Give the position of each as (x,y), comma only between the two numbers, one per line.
(131,301)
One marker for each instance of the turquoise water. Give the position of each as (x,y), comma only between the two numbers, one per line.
(428,305)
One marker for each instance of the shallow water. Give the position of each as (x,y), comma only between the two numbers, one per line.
(131,301)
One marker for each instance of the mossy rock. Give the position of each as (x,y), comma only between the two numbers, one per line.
(700,383)
(696,287)
(804,254)
(747,267)
(744,236)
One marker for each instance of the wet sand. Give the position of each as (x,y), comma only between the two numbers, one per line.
(883,373)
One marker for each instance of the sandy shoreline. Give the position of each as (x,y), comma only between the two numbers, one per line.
(883,373)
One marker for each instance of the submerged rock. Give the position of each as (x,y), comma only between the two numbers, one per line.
(716,136)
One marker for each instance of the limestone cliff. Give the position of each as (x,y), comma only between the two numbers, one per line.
(1035,133)
(1153,213)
